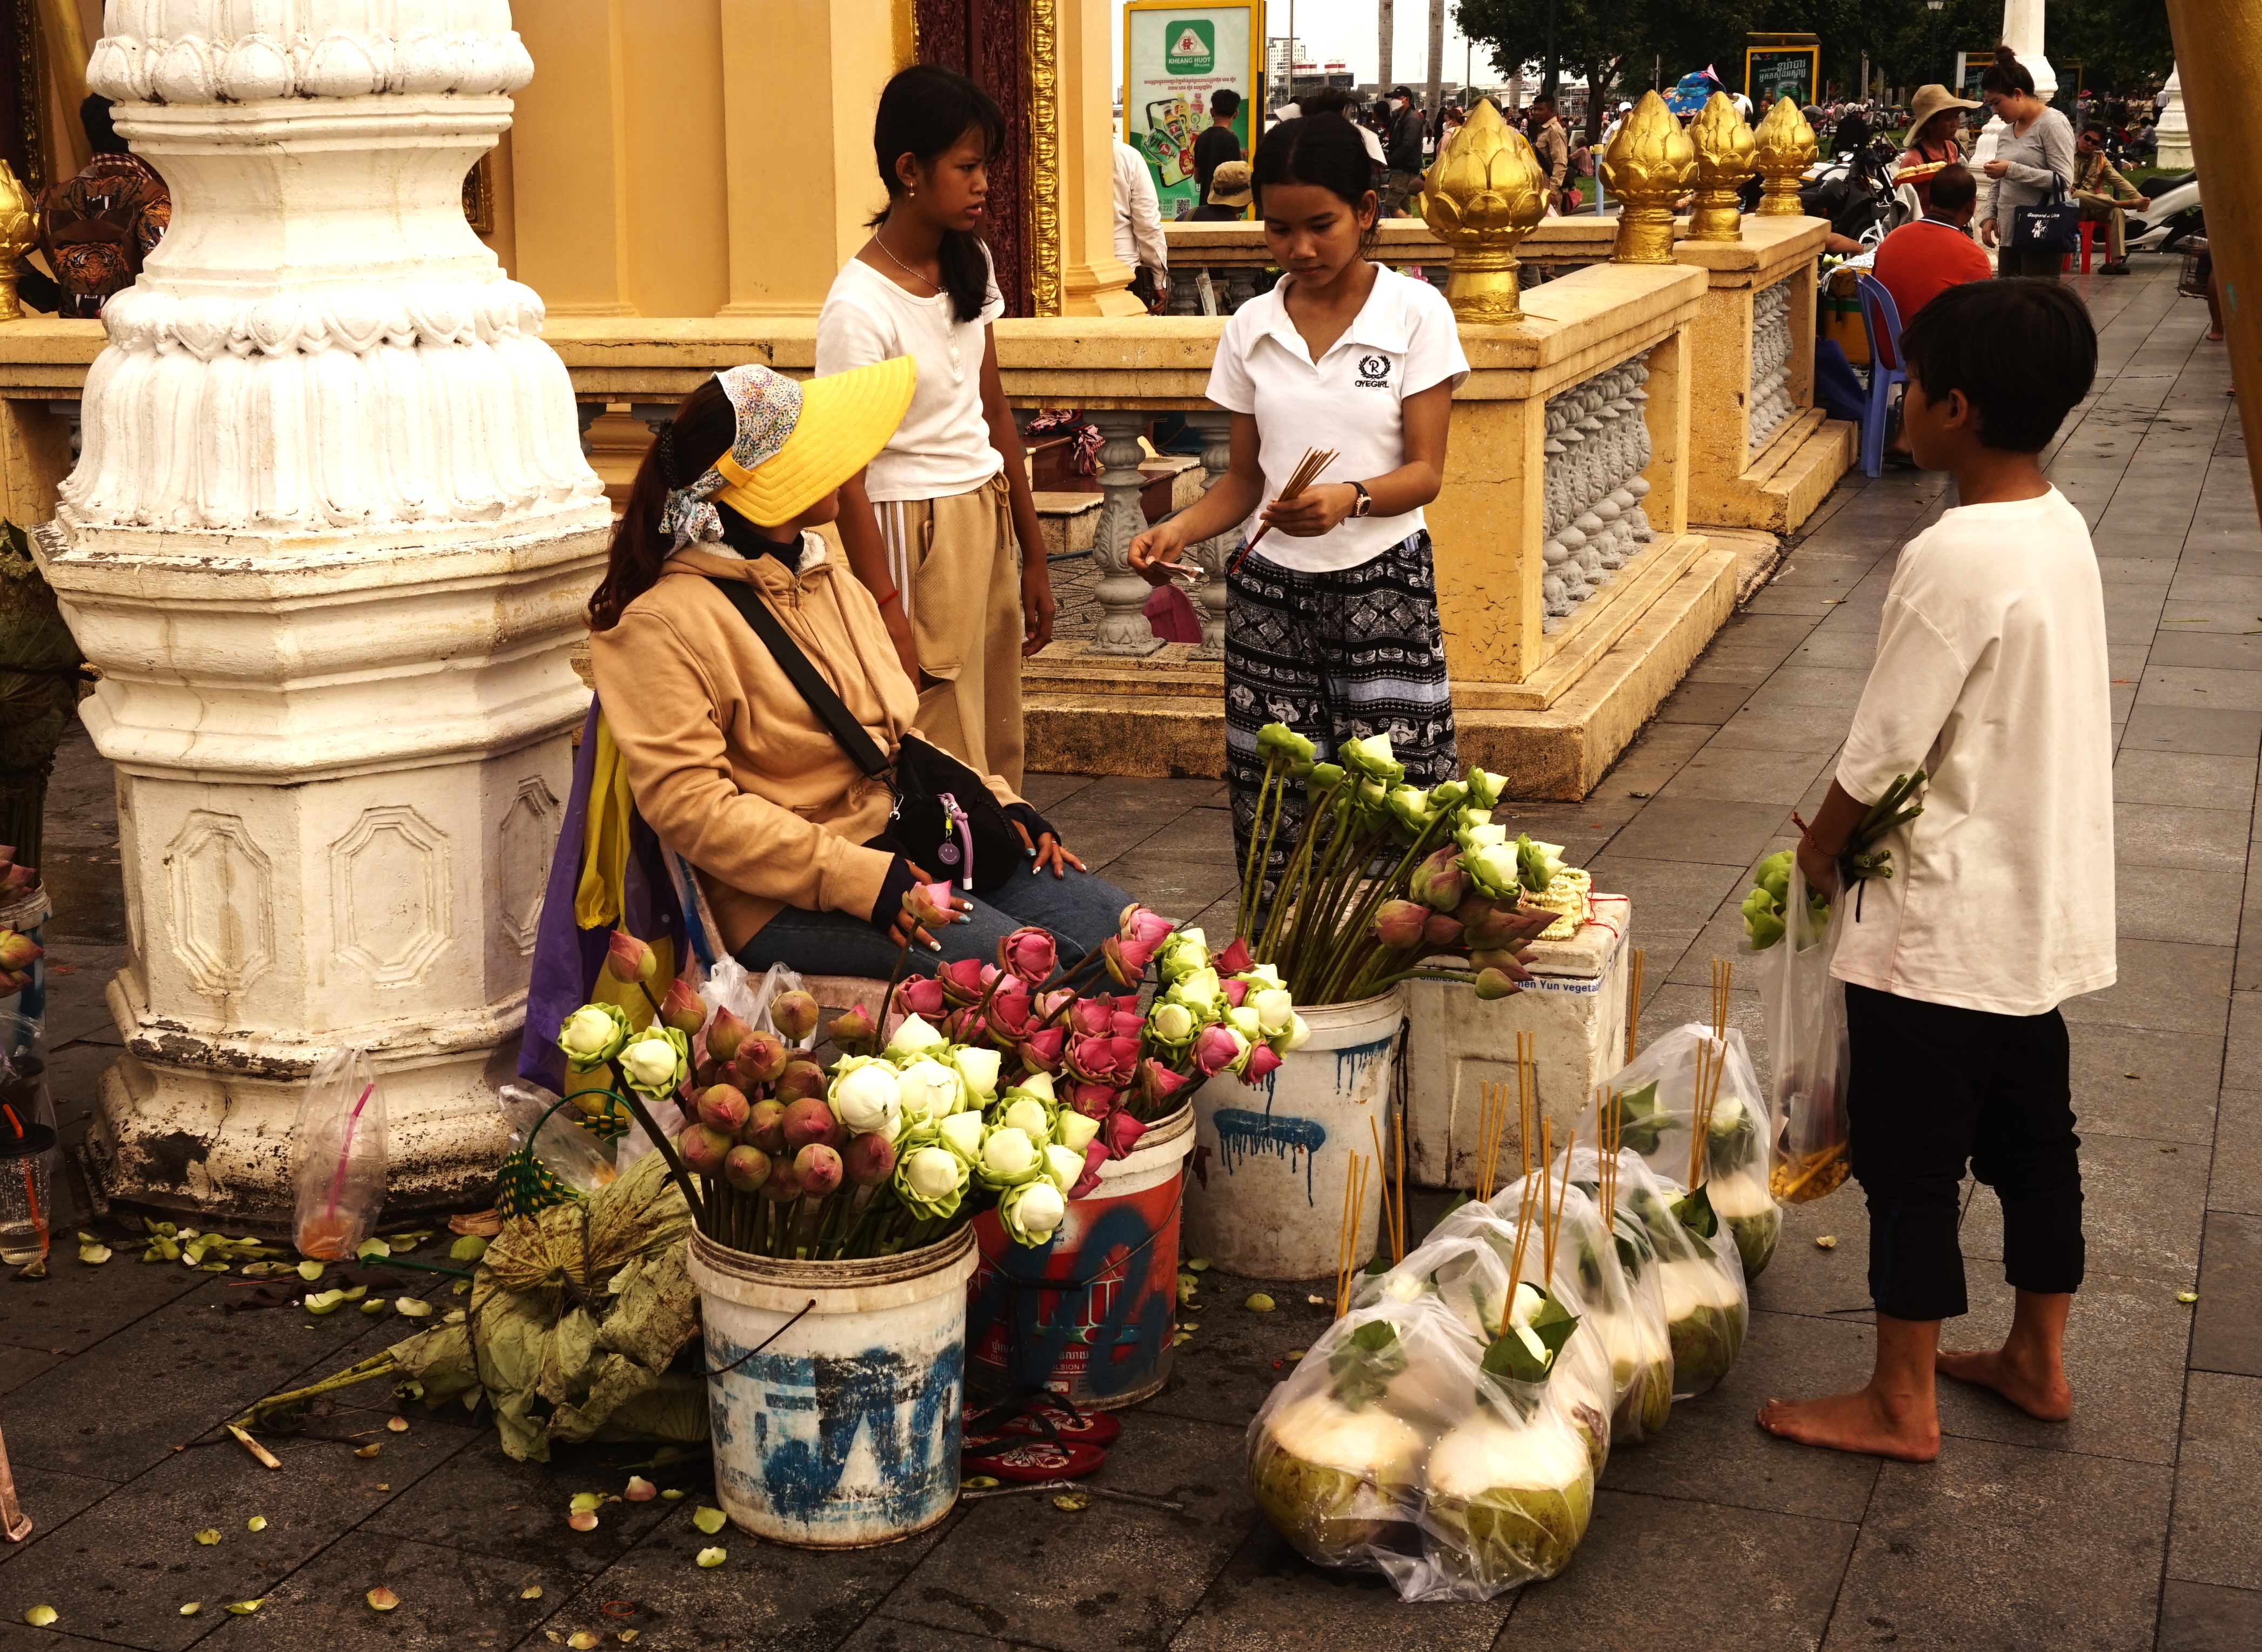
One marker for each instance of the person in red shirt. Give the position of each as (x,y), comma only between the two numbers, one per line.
(1920,260)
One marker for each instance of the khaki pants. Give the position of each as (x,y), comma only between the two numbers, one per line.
(2094,209)
(959,568)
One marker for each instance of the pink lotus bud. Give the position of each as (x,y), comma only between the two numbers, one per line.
(1262,1061)
(1041,1050)
(802,1077)
(793,1015)
(870,1159)
(1028,954)
(1399,924)
(1492,984)
(1137,923)
(1011,1015)
(16,879)
(853,1031)
(1113,1061)
(1234,959)
(1502,961)
(1155,1085)
(19,953)
(964,980)
(1121,1133)
(723,1106)
(818,1168)
(1093,1100)
(920,996)
(765,1127)
(1050,1004)
(1127,960)
(928,903)
(784,1181)
(628,959)
(1236,992)
(1443,930)
(704,1148)
(809,1120)
(725,1036)
(681,1008)
(1439,882)
(746,1169)
(1217,1047)
(761,1057)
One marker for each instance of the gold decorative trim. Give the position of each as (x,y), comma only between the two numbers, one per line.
(1044,157)
(479,196)
(30,101)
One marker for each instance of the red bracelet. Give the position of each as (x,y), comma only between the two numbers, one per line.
(890,597)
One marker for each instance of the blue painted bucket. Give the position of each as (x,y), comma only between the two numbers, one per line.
(833,1390)
(1271,1161)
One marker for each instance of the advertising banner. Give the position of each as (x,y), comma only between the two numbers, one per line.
(1788,71)
(1174,57)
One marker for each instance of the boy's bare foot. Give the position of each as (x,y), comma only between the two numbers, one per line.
(2037,1391)
(1860,1421)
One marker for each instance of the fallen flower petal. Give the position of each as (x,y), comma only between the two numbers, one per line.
(413,1307)
(191,1608)
(582,1640)
(673,1494)
(640,1490)
(208,1536)
(398,1424)
(95,1255)
(582,1520)
(585,1501)
(371,1449)
(1071,1502)
(310,1270)
(381,1599)
(256,1523)
(709,1520)
(1258,1302)
(39,1617)
(532,1591)
(712,1557)
(2186,1296)
(245,1608)
(1826,1242)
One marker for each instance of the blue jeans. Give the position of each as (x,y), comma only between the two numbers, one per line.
(1081,909)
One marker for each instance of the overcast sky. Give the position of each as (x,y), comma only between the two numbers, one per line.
(1344,30)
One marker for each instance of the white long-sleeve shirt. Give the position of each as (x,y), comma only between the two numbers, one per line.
(1138,215)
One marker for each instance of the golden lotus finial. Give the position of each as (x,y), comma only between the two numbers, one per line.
(1785,147)
(1726,149)
(19,229)
(1483,195)
(1649,166)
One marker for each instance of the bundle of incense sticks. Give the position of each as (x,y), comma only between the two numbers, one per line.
(1611,1122)
(1393,1199)
(1307,472)
(1492,1119)
(1354,1217)
(1712,1062)
(1724,973)
(1634,1002)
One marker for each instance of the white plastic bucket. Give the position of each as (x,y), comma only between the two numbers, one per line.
(843,1431)
(1271,1161)
(1102,1336)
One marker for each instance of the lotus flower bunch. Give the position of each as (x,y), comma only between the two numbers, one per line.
(15,881)
(18,953)
(1353,880)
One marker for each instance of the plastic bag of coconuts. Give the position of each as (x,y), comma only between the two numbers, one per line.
(1659,1095)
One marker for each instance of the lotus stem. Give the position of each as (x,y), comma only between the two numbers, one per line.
(377,1365)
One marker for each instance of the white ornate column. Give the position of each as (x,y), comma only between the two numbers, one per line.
(2174,131)
(1214,553)
(329,541)
(1123,626)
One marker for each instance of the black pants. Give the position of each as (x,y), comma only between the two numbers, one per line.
(1934,1087)
(2029,261)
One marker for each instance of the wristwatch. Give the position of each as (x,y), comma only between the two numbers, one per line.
(1366,506)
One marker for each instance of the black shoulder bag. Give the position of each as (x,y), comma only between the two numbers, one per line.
(944,818)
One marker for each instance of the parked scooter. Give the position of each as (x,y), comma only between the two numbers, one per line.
(2171,213)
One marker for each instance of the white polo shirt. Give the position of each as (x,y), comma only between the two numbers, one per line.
(1401,342)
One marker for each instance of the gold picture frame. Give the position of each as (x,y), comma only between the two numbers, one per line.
(479,197)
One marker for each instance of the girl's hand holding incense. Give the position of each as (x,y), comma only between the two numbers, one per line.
(1153,552)
(1315,511)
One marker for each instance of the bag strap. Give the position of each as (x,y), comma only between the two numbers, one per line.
(863,750)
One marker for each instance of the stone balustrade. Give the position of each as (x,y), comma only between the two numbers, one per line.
(1233,256)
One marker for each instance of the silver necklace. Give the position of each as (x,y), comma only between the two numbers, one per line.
(900,264)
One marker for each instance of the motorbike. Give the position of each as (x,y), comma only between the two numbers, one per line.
(2170,213)
(1856,191)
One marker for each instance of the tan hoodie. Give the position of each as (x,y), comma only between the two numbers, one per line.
(725,760)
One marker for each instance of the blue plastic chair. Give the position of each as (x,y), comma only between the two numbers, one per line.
(1878,316)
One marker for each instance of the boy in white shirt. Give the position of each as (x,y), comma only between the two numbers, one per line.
(1992,677)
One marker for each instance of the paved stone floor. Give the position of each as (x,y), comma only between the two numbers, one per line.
(2139,1525)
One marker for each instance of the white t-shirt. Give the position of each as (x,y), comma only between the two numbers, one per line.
(1991,676)
(942,447)
(1403,341)
(1138,214)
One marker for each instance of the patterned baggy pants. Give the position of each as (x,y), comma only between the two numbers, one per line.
(1334,656)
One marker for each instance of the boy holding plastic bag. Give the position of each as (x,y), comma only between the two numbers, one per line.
(1991,678)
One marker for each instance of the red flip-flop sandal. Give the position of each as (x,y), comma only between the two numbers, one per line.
(1040,1417)
(1017,1457)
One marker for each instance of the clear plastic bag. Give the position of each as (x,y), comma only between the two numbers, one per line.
(338,1156)
(27,1180)
(1700,1276)
(572,1155)
(1657,1097)
(728,986)
(1624,1290)
(1804,1008)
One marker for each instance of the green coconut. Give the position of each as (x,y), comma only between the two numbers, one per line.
(1333,1480)
(1753,1217)
(1647,1405)
(1508,1501)
(1703,1321)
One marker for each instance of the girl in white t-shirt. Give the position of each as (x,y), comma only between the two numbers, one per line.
(931,525)
(1331,625)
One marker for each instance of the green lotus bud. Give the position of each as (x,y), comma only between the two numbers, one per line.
(1063,1167)
(1032,1212)
(1076,1131)
(592,1035)
(1030,1116)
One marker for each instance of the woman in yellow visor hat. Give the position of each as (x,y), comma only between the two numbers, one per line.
(726,760)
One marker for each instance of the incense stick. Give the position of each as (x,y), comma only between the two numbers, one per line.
(1307,472)
(1527,1095)
(1724,973)
(1634,1002)
(1394,1225)
(1562,1194)
(1354,1219)
(1398,1242)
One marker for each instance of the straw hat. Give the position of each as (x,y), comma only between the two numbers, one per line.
(799,440)
(1929,101)
(1229,185)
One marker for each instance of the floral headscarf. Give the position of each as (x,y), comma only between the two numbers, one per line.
(769,406)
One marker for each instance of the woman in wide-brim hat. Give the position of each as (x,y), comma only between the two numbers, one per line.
(1935,120)
(726,762)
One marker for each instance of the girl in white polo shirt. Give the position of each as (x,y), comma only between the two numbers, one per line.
(931,525)
(1331,625)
